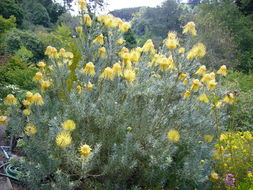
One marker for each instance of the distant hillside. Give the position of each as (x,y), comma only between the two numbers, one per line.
(125,14)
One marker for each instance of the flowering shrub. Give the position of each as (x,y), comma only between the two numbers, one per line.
(234,154)
(130,118)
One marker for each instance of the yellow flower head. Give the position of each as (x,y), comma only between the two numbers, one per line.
(63,139)
(10,100)
(37,99)
(148,47)
(222,70)
(190,28)
(195,85)
(68,55)
(172,35)
(172,43)
(79,89)
(107,74)
(41,65)
(173,135)
(38,77)
(102,51)
(29,96)
(124,27)
(90,86)
(203,98)
(51,52)
(85,150)
(30,129)
(89,69)
(230,98)
(171,63)
(182,76)
(208,138)
(211,85)
(201,70)
(117,69)
(87,20)
(181,50)
(187,94)
(79,29)
(214,176)
(185,82)
(120,41)
(198,50)
(62,52)
(26,112)
(164,64)
(82,5)
(206,78)
(3,120)
(45,85)
(99,39)
(129,75)
(69,125)
(135,56)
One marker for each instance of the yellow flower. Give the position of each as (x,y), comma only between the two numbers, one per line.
(102,51)
(173,135)
(182,76)
(63,139)
(218,104)
(203,98)
(222,70)
(172,35)
(187,94)
(51,52)
(117,69)
(62,51)
(181,50)
(85,150)
(230,98)
(69,125)
(211,85)
(107,74)
(148,47)
(82,5)
(68,55)
(79,29)
(164,64)
(38,77)
(45,85)
(172,43)
(120,41)
(190,28)
(30,129)
(3,120)
(208,138)
(201,70)
(124,27)
(29,96)
(214,176)
(135,56)
(129,75)
(87,20)
(99,39)
(185,82)
(195,85)
(171,63)
(37,99)
(198,50)
(206,78)
(41,65)
(79,89)
(89,69)
(26,112)
(90,86)
(10,100)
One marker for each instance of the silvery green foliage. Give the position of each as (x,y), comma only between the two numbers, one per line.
(125,124)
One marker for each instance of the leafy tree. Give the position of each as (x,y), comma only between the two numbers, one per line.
(39,15)
(130,39)
(6,24)
(9,8)
(125,14)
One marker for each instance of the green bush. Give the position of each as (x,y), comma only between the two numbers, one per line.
(132,113)
(15,39)
(6,24)
(17,73)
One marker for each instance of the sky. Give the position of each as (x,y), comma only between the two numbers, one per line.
(119,4)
